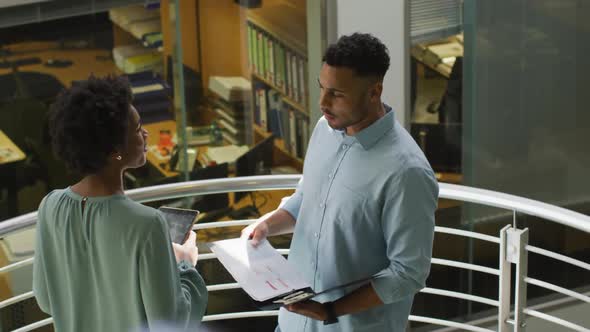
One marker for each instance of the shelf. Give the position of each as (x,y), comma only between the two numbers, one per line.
(285,98)
(284,20)
(137,22)
(451,47)
(280,146)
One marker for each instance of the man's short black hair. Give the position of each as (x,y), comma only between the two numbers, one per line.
(362,52)
(89,121)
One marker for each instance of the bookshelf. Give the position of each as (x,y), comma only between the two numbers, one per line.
(297,106)
(277,63)
(282,156)
(284,20)
(137,36)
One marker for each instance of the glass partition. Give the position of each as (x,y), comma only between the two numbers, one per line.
(508,116)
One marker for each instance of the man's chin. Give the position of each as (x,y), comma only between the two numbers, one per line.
(335,126)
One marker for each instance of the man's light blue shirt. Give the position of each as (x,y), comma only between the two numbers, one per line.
(365,207)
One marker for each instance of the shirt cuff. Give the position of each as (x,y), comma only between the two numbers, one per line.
(382,284)
(291,204)
(185,266)
(391,287)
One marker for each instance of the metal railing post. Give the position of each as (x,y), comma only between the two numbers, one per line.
(512,245)
(504,283)
(520,240)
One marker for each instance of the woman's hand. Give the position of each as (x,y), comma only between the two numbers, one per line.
(188,250)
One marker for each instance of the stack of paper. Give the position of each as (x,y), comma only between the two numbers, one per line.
(226,154)
(234,88)
(125,16)
(142,28)
(261,271)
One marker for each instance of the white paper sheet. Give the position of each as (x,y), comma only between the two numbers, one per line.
(261,271)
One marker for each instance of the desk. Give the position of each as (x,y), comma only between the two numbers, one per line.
(273,197)
(8,172)
(7,144)
(153,138)
(84,61)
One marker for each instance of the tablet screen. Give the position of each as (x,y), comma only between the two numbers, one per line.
(180,222)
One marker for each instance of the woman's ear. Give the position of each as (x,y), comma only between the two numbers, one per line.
(116,156)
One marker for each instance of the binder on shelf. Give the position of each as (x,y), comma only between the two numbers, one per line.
(301,79)
(265,56)
(271,59)
(289,77)
(299,136)
(259,54)
(250,38)
(262,101)
(292,132)
(305,133)
(295,74)
(284,119)
(275,103)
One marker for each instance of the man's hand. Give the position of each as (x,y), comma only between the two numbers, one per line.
(311,309)
(276,222)
(258,231)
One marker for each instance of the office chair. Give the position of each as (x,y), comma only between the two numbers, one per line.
(24,84)
(24,121)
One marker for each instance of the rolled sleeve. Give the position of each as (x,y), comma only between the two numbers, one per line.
(169,295)
(408,227)
(292,204)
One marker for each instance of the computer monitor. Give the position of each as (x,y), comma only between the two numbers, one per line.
(441,143)
(204,203)
(257,161)
(211,202)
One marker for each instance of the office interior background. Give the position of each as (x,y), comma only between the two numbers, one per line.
(492,91)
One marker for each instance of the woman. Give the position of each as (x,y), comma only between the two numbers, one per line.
(102,261)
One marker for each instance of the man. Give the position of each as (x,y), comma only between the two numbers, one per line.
(365,206)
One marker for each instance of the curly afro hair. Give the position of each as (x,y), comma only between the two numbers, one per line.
(88,122)
(362,52)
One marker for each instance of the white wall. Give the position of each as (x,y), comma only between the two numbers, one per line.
(387,20)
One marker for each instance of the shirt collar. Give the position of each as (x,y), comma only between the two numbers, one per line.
(370,135)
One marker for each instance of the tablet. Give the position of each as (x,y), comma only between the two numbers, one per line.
(180,222)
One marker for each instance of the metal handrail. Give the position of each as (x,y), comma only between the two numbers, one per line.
(448,323)
(555,288)
(559,257)
(555,320)
(447,191)
(273,182)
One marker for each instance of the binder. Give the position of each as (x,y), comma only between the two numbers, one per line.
(274,105)
(265,275)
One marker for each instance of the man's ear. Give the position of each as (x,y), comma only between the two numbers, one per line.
(375,91)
